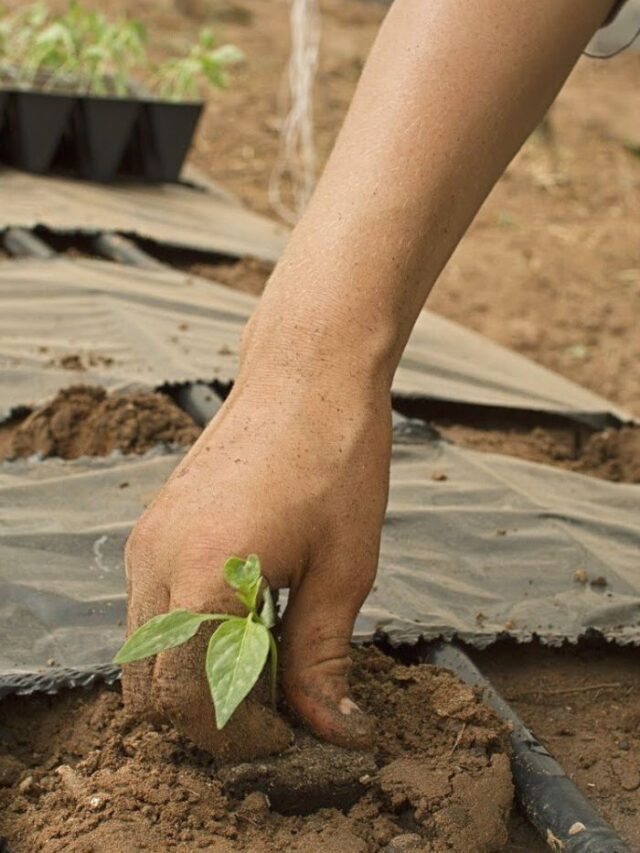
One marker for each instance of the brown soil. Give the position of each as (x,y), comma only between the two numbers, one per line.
(77,774)
(86,421)
(612,454)
(248,275)
(584,705)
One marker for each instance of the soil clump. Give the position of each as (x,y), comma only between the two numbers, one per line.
(610,454)
(86,421)
(77,773)
(248,274)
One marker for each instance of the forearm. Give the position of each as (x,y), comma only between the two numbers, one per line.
(451,90)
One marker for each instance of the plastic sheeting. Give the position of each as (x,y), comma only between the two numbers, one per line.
(200,218)
(496,546)
(130,327)
(127,327)
(446,362)
(492,548)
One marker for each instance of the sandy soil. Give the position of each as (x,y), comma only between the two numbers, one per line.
(86,421)
(77,774)
(584,705)
(611,454)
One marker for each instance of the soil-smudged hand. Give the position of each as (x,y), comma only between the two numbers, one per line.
(298,475)
(295,466)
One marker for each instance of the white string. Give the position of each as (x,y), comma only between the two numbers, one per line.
(295,166)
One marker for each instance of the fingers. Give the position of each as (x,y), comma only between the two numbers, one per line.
(317,631)
(181,692)
(145,600)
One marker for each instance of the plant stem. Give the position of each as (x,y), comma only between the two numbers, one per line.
(273,649)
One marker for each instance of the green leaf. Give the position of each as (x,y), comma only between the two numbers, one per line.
(163,632)
(236,656)
(227,54)
(207,38)
(268,612)
(244,576)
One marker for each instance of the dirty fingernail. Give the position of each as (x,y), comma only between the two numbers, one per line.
(347,706)
(356,729)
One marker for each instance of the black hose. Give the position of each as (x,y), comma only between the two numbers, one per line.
(22,243)
(199,401)
(553,804)
(117,248)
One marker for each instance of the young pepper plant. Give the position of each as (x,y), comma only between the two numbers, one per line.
(238,648)
(180,78)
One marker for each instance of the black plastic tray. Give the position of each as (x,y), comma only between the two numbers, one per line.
(94,137)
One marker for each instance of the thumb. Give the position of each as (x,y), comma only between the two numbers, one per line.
(316,635)
(181,690)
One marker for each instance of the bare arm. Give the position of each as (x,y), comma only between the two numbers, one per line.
(295,466)
(450,92)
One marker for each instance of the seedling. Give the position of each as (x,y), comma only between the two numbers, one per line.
(181,78)
(238,648)
(82,50)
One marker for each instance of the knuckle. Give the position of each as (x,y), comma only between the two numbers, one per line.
(133,550)
(141,545)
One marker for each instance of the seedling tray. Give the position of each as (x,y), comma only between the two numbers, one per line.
(97,138)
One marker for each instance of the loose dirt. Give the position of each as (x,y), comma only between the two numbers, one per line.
(76,773)
(611,454)
(583,703)
(248,275)
(86,421)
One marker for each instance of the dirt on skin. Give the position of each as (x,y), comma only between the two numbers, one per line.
(86,421)
(76,773)
(562,230)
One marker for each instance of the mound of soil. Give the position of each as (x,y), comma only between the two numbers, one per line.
(612,454)
(76,773)
(86,421)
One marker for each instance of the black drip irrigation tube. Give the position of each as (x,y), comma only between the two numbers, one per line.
(554,805)
(117,248)
(22,243)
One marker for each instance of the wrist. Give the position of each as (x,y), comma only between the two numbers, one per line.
(317,346)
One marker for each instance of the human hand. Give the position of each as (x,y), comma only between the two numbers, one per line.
(299,477)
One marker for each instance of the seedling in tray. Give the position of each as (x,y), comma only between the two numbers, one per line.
(79,51)
(69,100)
(206,64)
(238,648)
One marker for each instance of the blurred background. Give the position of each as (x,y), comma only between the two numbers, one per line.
(550,267)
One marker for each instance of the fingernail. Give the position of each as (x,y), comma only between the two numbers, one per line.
(347,706)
